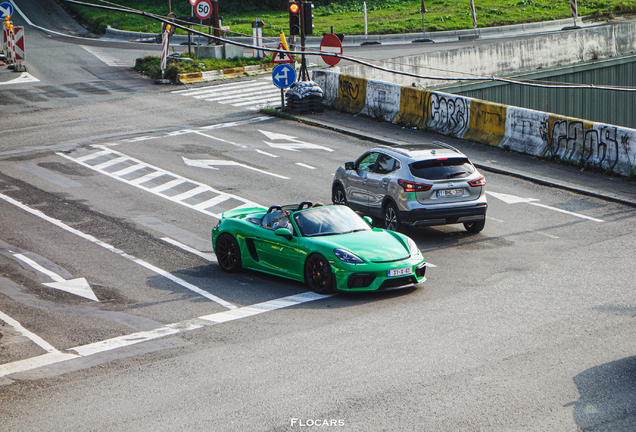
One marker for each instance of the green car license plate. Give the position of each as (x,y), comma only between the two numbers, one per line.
(450,193)
(400,272)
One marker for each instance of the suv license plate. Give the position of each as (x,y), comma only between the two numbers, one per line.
(400,272)
(450,192)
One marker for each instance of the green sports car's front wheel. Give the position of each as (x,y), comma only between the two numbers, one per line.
(228,253)
(319,275)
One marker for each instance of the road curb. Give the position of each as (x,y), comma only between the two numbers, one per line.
(354,40)
(543,182)
(196,77)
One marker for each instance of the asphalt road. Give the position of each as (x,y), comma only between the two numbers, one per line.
(528,325)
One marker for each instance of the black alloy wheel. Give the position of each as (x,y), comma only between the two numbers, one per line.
(319,275)
(391,218)
(339,196)
(228,253)
(475,227)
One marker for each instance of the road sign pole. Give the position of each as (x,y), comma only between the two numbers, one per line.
(282,99)
(304,75)
(424,38)
(189,33)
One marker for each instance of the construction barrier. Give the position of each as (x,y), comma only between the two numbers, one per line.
(527,131)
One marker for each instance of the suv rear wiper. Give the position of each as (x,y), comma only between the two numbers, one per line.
(457,174)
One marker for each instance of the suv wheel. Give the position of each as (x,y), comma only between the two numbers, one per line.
(339,196)
(475,227)
(392,218)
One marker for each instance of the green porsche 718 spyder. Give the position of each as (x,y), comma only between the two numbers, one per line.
(328,247)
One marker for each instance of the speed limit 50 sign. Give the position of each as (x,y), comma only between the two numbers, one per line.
(203,9)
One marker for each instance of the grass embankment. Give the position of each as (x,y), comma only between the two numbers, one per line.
(346,16)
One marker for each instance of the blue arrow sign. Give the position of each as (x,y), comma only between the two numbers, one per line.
(6,9)
(283,75)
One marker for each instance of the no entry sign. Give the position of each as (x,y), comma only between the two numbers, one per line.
(203,9)
(331,44)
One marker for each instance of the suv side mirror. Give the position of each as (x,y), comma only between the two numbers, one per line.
(368,220)
(349,166)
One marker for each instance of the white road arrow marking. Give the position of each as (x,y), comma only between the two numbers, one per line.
(294,145)
(77,286)
(512,199)
(24,78)
(210,164)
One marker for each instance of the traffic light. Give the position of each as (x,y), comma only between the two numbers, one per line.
(294,18)
(308,17)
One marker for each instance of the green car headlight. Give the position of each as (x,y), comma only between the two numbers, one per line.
(346,256)
(413,249)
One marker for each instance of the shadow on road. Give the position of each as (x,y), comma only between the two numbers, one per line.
(608,397)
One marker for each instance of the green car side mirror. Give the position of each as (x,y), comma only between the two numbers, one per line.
(283,232)
(368,220)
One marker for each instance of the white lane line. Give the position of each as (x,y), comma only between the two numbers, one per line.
(167,330)
(24,332)
(212,163)
(492,218)
(259,308)
(300,164)
(579,215)
(113,249)
(266,154)
(138,183)
(219,139)
(542,233)
(205,255)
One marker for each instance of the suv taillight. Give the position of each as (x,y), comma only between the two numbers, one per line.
(481,181)
(410,186)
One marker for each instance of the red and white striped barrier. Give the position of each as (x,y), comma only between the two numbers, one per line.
(472,11)
(164,51)
(10,45)
(18,44)
(574,11)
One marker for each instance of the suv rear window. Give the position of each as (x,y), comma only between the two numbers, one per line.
(442,168)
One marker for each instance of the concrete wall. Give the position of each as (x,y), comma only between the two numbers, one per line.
(528,131)
(506,57)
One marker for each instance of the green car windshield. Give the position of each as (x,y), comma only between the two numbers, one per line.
(329,220)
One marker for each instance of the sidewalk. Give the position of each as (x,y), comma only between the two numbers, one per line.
(486,158)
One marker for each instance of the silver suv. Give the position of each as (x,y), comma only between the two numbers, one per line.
(414,185)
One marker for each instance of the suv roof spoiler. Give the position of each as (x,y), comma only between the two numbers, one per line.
(404,153)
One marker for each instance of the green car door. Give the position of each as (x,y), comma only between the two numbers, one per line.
(279,254)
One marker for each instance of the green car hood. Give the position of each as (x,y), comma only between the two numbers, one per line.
(370,245)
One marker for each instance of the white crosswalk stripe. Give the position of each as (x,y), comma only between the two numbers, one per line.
(157,181)
(251,94)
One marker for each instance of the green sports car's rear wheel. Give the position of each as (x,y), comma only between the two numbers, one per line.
(319,275)
(228,253)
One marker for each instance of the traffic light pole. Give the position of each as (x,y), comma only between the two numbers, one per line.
(304,74)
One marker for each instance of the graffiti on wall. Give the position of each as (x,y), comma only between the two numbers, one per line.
(349,90)
(448,114)
(572,139)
